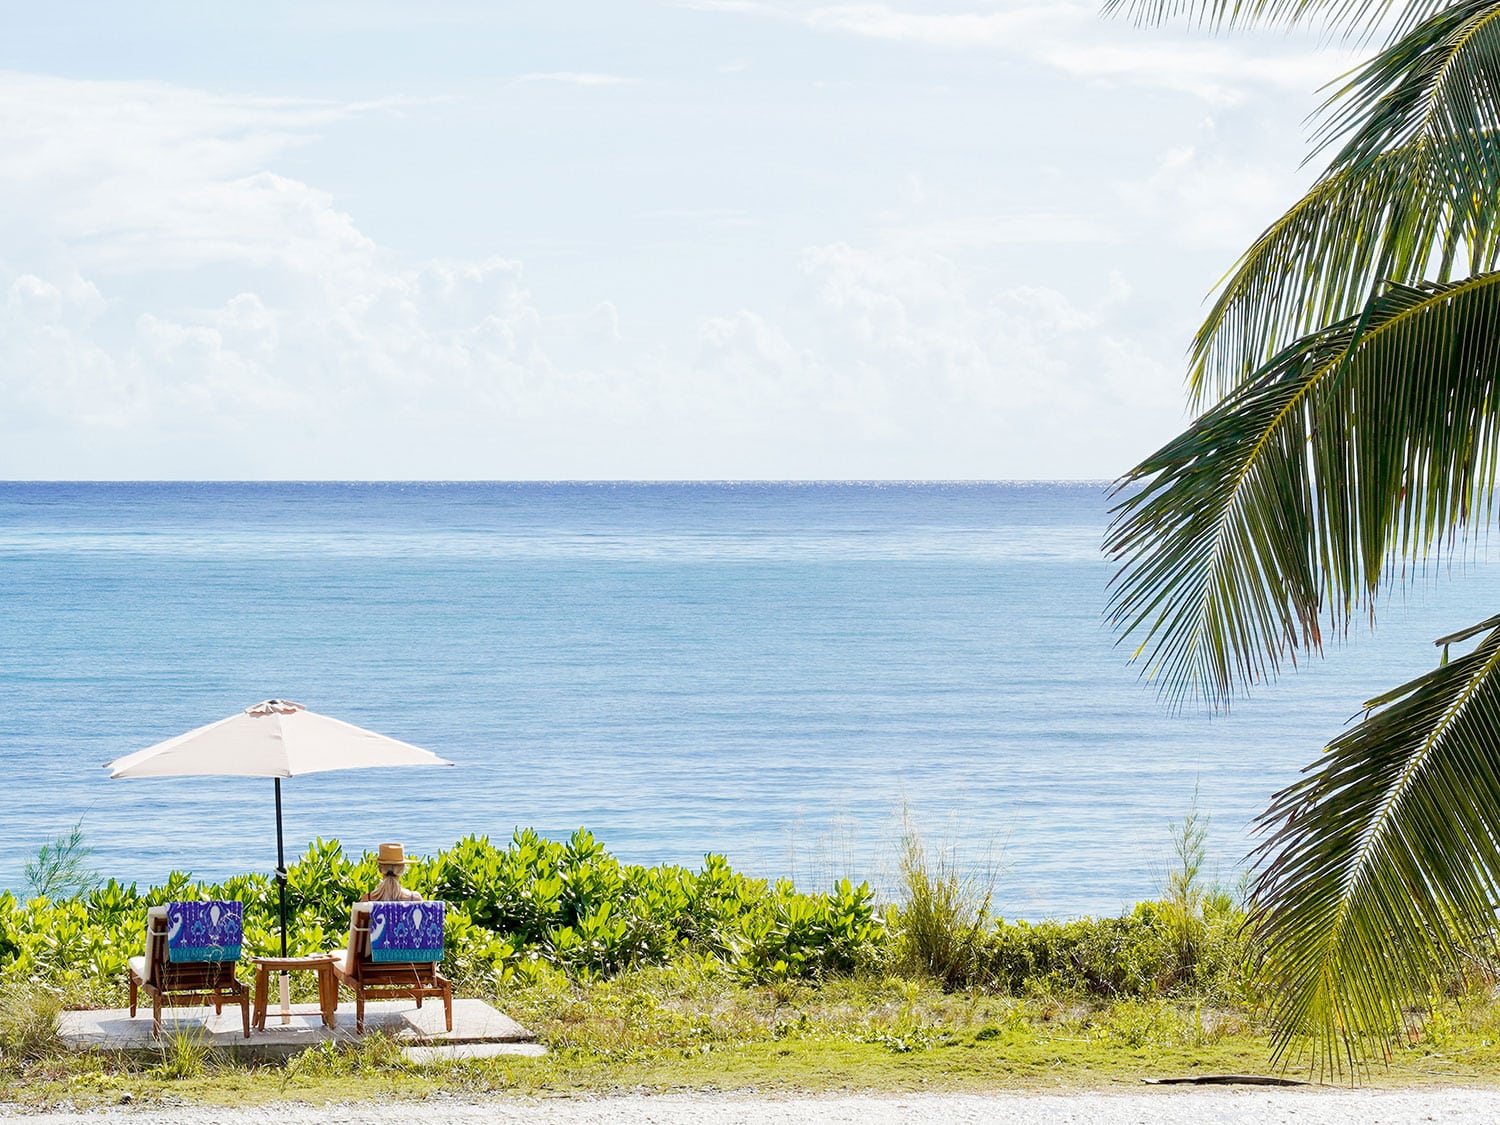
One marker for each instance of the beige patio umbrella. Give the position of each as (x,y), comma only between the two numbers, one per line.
(273,739)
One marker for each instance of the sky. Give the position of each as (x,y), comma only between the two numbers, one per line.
(693,239)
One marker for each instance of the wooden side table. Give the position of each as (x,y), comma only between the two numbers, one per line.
(328,984)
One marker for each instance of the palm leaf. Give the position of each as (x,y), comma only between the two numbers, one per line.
(1408,195)
(1282,510)
(1383,864)
(1435,85)
(1236,13)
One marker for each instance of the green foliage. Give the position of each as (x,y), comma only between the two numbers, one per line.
(944,917)
(61,867)
(1140,954)
(28,1023)
(1386,856)
(542,914)
(1239,13)
(1183,900)
(1351,373)
(185,1051)
(513,913)
(788,935)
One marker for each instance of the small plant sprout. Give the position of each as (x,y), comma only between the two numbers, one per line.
(60,869)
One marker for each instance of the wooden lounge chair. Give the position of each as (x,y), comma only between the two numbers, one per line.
(177,971)
(377,965)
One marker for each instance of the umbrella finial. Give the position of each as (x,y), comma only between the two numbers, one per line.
(274,707)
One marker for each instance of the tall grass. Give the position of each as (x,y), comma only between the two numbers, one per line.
(944,917)
(28,1022)
(186,1050)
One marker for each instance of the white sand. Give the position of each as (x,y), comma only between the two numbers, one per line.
(1190,1107)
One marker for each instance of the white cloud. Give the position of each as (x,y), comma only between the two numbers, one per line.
(173,302)
(1009,27)
(145,176)
(991,26)
(573,78)
(169,286)
(1204,197)
(1074,38)
(987,231)
(884,347)
(1217,71)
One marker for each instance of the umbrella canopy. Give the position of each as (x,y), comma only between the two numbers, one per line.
(273,739)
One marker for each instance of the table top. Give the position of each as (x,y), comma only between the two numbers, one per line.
(278,963)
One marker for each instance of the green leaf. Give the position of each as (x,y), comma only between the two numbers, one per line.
(1280,512)
(1409,196)
(1236,13)
(1382,865)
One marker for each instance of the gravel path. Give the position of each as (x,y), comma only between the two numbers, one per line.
(1195,1107)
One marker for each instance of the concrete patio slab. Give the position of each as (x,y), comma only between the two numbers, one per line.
(474,1023)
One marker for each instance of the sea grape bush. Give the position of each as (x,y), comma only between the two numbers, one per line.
(802,936)
(538,907)
(1139,954)
(514,911)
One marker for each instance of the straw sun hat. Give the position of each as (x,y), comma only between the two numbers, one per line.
(391,855)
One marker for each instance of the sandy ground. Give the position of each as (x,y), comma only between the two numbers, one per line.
(1231,1105)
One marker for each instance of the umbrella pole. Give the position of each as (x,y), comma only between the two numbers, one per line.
(286,990)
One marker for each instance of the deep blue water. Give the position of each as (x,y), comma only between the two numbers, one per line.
(771,671)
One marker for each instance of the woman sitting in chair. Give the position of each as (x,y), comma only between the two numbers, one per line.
(391,860)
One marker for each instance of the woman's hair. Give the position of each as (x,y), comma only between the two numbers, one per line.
(390,889)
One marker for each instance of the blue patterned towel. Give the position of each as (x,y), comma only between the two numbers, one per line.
(204,931)
(406,931)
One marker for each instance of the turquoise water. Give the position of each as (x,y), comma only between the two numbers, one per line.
(771,671)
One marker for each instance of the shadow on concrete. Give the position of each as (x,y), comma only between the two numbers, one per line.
(478,1030)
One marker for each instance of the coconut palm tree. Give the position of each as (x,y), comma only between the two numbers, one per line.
(1348,377)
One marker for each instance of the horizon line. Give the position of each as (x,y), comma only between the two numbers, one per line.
(561,480)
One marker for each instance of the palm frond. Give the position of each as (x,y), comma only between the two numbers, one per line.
(1283,509)
(1238,13)
(1409,195)
(1382,864)
(1436,85)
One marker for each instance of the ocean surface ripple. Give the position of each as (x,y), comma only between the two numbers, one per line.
(776,672)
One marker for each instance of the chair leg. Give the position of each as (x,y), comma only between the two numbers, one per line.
(132,995)
(156,1015)
(245,1011)
(359,1012)
(448,1005)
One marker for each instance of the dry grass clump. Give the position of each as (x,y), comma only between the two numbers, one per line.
(28,1022)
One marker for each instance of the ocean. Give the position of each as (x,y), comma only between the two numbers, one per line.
(784,673)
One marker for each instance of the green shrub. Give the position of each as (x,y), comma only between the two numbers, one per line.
(943,920)
(568,905)
(1140,954)
(789,935)
(61,868)
(537,908)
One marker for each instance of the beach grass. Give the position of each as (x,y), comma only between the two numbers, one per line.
(666,979)
(687,1028)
